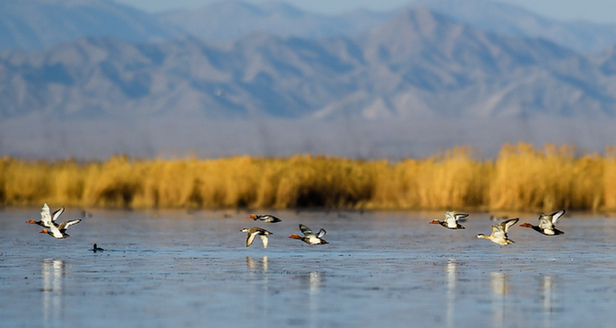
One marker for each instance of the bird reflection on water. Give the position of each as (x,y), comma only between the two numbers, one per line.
(52,271)
(259,288)
(261,265)
(451,270)
(500,290)
(547,293)
(314,284)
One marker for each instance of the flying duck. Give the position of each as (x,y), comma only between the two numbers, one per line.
(46,218)
(59,232)
(264,217)
(499,232)
(451,220)
(256,231)
(309,236)
(546,224)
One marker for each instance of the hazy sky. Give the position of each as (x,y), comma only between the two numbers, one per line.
(603,11)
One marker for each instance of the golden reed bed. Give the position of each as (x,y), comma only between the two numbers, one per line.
(519,178)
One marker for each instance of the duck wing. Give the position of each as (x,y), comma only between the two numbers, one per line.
(556,215)
(265,240)
(250,238)
(305,230)
(545,224)
(57,214)
(509,223)
(460,217)
(46,215)
(68,223)
(498,231)
(321,233)
(450,220)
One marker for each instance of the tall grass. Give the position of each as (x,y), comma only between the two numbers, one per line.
(519,178)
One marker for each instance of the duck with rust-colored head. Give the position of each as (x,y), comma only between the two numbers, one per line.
(451,220)
(310,237)
(546,224)
(59,232)
(47,219)
(264,217)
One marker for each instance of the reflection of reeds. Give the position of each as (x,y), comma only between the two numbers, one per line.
(520,178)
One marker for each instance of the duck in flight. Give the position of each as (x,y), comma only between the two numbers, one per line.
(48,222)
(546,224)
(256,231)
(46,217)
(59,232)
(451,220)
(310,237)
(499,232)
(264,217)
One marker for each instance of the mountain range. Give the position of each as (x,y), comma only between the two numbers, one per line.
(39,24)
(418,64)
(415,64)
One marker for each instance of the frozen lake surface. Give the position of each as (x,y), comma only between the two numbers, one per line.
(381,269)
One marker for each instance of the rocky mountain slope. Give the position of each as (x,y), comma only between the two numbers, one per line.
(420,63)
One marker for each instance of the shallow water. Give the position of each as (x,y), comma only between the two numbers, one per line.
(381,269)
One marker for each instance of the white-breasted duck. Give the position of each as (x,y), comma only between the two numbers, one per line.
(451,220)
(546,224)
(499,232)
(59,232)
(256,231)
(47,219)
(309,236)
(264,217)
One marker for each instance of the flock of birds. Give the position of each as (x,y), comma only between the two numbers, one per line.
(58,231)
(308,237)
(48,222)
(499,235)
(452,220)
(52,228)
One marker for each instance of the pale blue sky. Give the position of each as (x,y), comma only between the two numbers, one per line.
(603,11)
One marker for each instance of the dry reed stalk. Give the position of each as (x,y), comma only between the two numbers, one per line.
(520,178)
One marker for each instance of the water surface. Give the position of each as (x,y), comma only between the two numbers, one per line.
(381,269)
